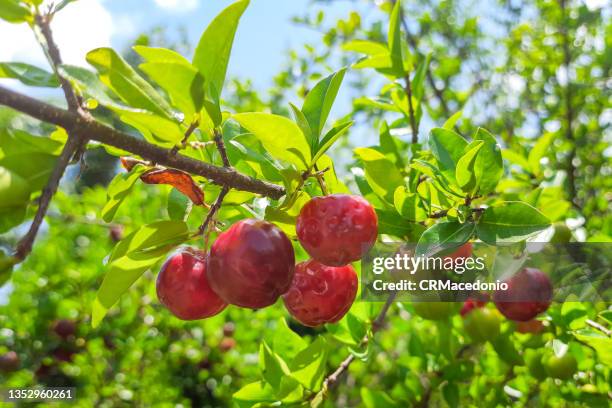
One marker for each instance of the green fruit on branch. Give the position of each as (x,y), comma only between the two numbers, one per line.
(561,367)
(482,324)
(435,310)
(533,361)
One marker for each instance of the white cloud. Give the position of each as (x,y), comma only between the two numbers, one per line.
(177,5)
(77,29)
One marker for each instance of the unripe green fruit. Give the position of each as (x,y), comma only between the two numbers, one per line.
(562,367)
(562,234)
(482,324)
(533,361)
(435,310)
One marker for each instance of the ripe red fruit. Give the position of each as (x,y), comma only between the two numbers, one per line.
(64,328)
(183,287)
(251,264)
(320,294)
(529,293)
(9,361)
(470,305)
(337,229)
(532,326)
(464,251)
(116,232)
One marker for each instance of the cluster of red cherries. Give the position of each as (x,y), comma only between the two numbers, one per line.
(252,264)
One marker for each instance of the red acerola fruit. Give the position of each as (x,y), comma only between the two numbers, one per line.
(320,294)
(529,293)
(251,264)
(337,229)
(532,326)
(9,361)
(471,304)
(64,328)
(464,251)
(183,286)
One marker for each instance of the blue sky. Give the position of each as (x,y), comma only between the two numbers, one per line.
(264,35)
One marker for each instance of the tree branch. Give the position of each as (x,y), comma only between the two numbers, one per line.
(107,135)
(377,324)
(221,147)
(73,145)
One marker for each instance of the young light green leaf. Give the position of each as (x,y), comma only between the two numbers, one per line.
(118,75)
(465,173)
(278,135)
(489,166)
(302,122)
(452,121)
(381,173)
(444,236)
(309,365)
(330,138)
(213,51)
(510,221)
(177,80)
(390,224)
(14,12)
(319,101)
(418,82)
(366,47)
(538,151)
(158,54)
(118,190)
(28,74)
(601,343)
(394,38)
(253,394)
(178,205)
(274,368)
(90,85)
(131,257)
(515,158)
(447,147)
(154,128)
(376,399)
(285,342)
(14,190)
(408,205)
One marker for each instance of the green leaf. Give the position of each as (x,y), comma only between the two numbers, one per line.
(28,74)
(506,350)
(319,101)
(390,224)
(274,368)
(515,158)
(489,166)
(599,341)
(444,236)
(14,190)
(465,172)
(418,82)
(213,51)
(452,121)
(285,342)
(155,129)
(366,47)
(89,84)
(252,394)
(13,12)
(309,365)
(118,190)
(538,151)
(158,54)
(178,205)
(330,138)
(408,205)
(302,122)
(131,257)
(177,79)
(394,38)
(281,137)
(376,399)
(447,147)
(451,394)
(125,82)
(510,221)
(382,175)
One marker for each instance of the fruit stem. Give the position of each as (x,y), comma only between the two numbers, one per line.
(321,179)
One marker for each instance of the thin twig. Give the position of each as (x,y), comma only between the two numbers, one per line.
(599,327)
(213,210)
(74,143)
(193,126)
(413,124)
(218,137)
(320,176)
